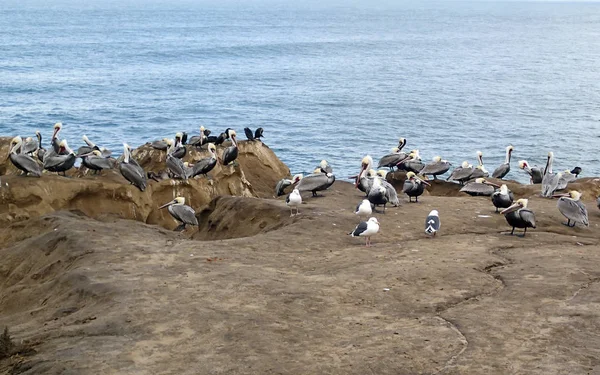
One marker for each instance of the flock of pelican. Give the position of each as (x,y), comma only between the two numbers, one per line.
(29,156)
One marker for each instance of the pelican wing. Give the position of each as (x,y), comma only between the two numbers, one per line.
(390,193)
(281,185)
(26,163)
(573,210)
(84,150)
(391,160)
(159,145)
(459,174)
(230,154)
(184,213)
(176,167)
(134,174)
(315,181)
(436,168)
(476,188)
(101,163)
(30,146)
(527,216)
(203,166)
(501,171)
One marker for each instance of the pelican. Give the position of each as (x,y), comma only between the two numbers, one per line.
(598,202)
(550,181)
(432,223)
(293,200)
(392,160)
(436,167)
(30,145)
(174,164)
(55,141)
(61,161)
(366,229)
(535,173)
(284,183)
(203,166)
(181,212)
(479,187)
(571,206)
(23,161)
(96,161)
(259,133)
(565,179)
(413,186)
(382,173)
(199,140)
(364,208)
(479,171)
(413,163)
(378,194)
(131,170)
(41,151)
(502,198)
(160,145)
(519,216)
(188,169)
(179,151)
(503,169)
(231,152)
(462,173)
(315,182)
(325,167)
(362,182)
(367,176)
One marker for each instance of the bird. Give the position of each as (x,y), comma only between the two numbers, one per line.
(55,141)
(366,229)
(203,166)
(325,167)
(231,152)
(502,198)
(366,177)
(382,173)
(519,216)
(504,168)
(535,173)
(364,208)
(293,200)
(479,187)
(392,160)
(96,162)
(550,180)
(413,186)
(174,164)
(598,202)
(462,173)
(436,167)
(565,179)
(259,133)
(249,134)
(412,163)
(131,170)
(576,171)
(378,194)
(90,146)
(432,223)
(61,161)
(179,150)
(479,171)
(571,206)
(30,145)
(181,212)
(41,151)
(23,161)
(284,183)
(199,140)
(315,182)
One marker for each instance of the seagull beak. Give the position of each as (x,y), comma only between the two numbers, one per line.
(512,208)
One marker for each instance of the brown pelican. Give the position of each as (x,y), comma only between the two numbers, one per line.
(366,229)
(366,177)
(160,145)
(325,167)
(503,169)
(413,186)
(519,216)
(365,208)
(131,170)
(432,223)
(203,166)
(462,173)
(598,202)
(293,200)
(550,181)
(30,145)
(179,151)
(413,163)
(571,206)
(479,171)
(181,212)
(95,161)
(362,183)
(382,173)
(535,173)
(55,141)
(174,164)
(23,161)
(502,198)
(41,151)
(479,187)
(315,182)
(61,161)
(90,146)
(436,167)
(231,152)
(378,194)
(284,183)
(392,160)
(199,140)
(217,140)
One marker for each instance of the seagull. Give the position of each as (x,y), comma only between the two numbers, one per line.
(432,223)
(293,200)
(366,229)
(181,212)
(365,208)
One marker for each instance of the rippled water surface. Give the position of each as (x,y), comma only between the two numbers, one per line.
(325,81)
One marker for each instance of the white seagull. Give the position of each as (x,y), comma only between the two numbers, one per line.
(365,208)
(366,229)
(293,200)
(432,223)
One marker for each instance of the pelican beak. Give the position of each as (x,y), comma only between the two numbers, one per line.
(423,181)
(561,195)
(403,160)
(166,204)
(512,208)
(492,184)
(84,155)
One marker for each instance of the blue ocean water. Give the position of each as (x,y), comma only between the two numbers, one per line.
(329,81)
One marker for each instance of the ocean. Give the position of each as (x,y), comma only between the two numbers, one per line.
(326,80)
